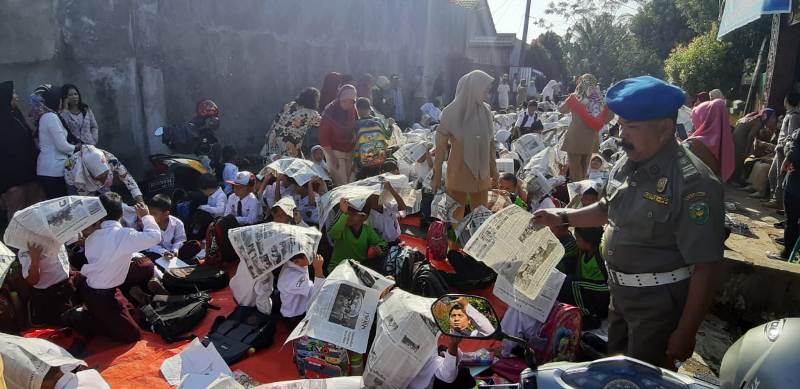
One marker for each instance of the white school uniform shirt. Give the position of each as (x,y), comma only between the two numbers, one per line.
(268,196)
(229,174)
(53,146)
(386,223)
(172,238)
(516,323)
(251,209)
(52,269)
(215,205)
(251,292)
(522,123)
(309,213)
(296,289)
(109,251)
(444,368)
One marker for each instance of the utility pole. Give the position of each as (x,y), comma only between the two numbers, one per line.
(525,32)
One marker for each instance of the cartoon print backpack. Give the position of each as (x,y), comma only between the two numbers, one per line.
(559,336)
(371,143)
(436,241)
(318,359)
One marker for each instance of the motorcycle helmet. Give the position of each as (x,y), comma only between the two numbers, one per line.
(765,357)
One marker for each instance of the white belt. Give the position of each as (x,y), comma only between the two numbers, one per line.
(650,279)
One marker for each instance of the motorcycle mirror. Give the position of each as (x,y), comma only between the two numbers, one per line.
(159,131)
(465,316)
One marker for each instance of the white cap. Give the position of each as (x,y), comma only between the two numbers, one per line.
(242,178)
(286,204)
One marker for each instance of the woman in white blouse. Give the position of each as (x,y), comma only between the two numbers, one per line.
(53,147)
(78,117)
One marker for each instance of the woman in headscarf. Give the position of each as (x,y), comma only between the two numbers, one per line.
(53,146)
(467,128)
(78,116)
(37,105)
(711,140)
(92,170)
(364,86)
(745,132)
(549,91)
(285,138)
(701,98)
(330,87)
(589,115)
(337,133)
(379,93)
(18,184)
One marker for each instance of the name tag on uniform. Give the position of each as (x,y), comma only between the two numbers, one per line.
(658,199)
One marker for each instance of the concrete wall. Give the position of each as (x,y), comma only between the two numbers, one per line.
(144,63)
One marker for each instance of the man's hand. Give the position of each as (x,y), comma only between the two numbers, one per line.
(680,346)
(138,199)
(343,204)
(546,217)
(35,251)
(141,210)
(452,345)
(462,301)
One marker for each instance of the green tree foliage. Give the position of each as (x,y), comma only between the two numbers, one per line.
(700,15)
(660,25)
(701,64)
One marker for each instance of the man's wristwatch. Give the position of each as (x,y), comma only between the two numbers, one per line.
(564,218)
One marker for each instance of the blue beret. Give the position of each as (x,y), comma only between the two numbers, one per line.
(644,98)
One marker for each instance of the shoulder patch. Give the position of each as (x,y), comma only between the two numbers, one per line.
(695,196)
(687,167)
(699,213)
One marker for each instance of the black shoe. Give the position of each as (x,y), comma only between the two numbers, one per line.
(780,225)
(778,240)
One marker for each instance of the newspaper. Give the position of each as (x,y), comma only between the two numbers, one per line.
(53,222)
(349,382)
(342,314)
(410,153)
(527,146)
(264,247)
(397,138)
(7,257)
(517,250)
(443,206)
(535,184)
(301,170)
(428,180)
(576,189)
(357,193)
(505,165)
(471,223)
(404,341)
(26,361)
(538,308)
(195,362)
(352,271)
(505,121)
(545,161)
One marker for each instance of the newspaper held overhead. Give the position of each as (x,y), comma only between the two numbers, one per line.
(471,223)
(545,161)
(410,153)
(53,222)
(301,170)
(517,250)
(443,207)
(505,165)
(404,341)
(264,247)
(535,184)
(26,361)
(342,314)
(357,193)
(528,145)
(7,257)
(538,308)
(576,189)
(352,271)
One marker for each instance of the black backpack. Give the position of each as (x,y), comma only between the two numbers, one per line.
(244,328)
(399,263)
(428,282)
(470,274)
(173,316)
(190,279)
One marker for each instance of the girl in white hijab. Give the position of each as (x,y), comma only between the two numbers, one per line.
(467,129)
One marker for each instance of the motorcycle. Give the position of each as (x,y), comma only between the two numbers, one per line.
(764,357)
(194,156)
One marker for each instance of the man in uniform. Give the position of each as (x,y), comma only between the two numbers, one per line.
(665,228)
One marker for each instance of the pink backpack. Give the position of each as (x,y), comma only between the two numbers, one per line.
(436,240)
(559,338)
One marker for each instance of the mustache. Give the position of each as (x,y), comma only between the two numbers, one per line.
(627,146)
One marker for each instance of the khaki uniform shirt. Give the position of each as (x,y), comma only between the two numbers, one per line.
(663,214)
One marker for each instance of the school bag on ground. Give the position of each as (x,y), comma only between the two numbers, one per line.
(436,241)
(191,279)
(560,336)
(218,247)
(316,359)
(371,143)
(470,274)
(172,317)
(399,263)
(243,329)
(428,282)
